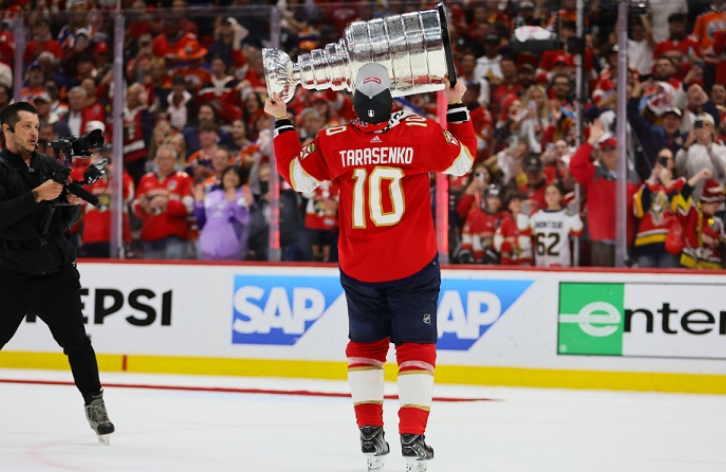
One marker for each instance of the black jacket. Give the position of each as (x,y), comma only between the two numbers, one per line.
(23,245)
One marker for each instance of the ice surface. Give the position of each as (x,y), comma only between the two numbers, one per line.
(43,428)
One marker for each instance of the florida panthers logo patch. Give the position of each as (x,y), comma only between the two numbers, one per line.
(307,150)
(450,138)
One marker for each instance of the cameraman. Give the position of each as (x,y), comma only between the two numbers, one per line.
(37,264)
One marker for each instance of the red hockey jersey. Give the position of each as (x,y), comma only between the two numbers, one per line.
(97,219)
(696,255)
(386,225)
(317,214)
(478,232)
(178,189)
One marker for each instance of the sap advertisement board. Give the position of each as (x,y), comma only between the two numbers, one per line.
(535,319)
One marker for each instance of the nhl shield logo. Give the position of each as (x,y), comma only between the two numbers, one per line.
(371,114)
(427,318)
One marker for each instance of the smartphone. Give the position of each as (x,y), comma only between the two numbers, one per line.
(663,161)
(698,124)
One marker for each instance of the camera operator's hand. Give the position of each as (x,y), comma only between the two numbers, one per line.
(48,190)
(73,199)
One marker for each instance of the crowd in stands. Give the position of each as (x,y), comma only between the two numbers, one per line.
(197,144)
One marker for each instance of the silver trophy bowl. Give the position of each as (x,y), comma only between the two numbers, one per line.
(414,47)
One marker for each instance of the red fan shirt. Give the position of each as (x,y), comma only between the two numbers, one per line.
(173,221)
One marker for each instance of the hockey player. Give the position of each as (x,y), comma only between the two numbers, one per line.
(552,228)
(387,247)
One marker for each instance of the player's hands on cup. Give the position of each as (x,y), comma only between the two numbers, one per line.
(276,107)
(453,94)
(49,190)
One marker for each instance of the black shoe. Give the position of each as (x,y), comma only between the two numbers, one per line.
(373,444)
(416,452)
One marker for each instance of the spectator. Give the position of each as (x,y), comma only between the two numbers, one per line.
(219,162)
(238,133)
(641,45)
(172,40)
(537,119)
(220,92)
(176,141)
(479,180)
(705,30)
(78,115)
(312,122)
(534,189)
(96,236)
(654,137)
(599,183)
(488,66)
(663,15)
(477,235)
(718,96)
(42,41)
(195,72)
(224,217)
(481,120)
(552,228)
(227,43)
(654,207)
(698,103)
(467,73)
(33,81)
(205,113)
(677,43)
(507,89)
(137,132)
(259,238)
(57,106)
(703,232)
(163,203)
(199,164)
(701,152)
(513,239)
(321,220)
(180,104)
(42,104)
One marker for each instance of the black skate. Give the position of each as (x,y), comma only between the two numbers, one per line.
(374,446)
(98,419)
(416,452)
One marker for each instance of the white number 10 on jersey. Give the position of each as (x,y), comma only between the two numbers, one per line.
(375,196)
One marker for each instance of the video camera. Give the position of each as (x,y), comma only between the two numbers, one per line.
(78,147)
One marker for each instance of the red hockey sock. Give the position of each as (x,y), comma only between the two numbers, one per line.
(416,363)
(365,376)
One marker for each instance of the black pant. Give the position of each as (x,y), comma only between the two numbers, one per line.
(56,299)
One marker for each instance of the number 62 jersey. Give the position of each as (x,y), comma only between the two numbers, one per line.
(551,231)
(382,173)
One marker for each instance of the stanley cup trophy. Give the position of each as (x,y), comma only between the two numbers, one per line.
(414,47)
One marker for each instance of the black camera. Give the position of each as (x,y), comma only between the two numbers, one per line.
(77,147)
(638,7)
(80,146)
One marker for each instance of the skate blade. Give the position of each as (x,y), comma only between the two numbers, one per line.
(104,439)
(415,465)
(375,463)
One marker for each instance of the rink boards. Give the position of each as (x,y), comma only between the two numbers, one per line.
(573,329)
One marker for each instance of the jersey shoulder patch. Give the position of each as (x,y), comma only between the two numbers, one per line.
(450,137)
(306,150)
